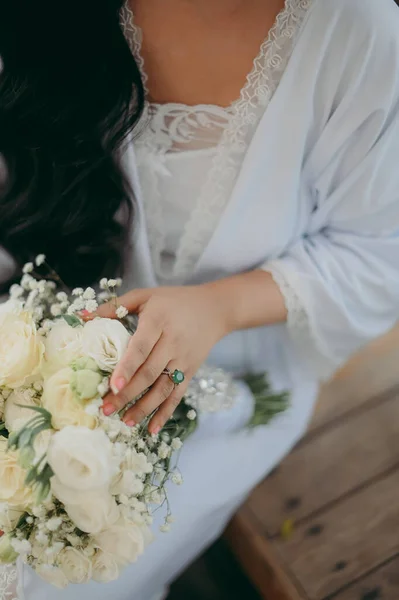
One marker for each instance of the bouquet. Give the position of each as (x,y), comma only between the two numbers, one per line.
(78,489)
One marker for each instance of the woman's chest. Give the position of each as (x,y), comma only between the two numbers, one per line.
(200,52)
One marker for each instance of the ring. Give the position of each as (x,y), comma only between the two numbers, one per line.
(177,377)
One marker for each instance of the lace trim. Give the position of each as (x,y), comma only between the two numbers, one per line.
(171,126)
(297,318)
(9,582)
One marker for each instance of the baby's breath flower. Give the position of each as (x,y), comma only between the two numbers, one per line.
(40,259)
(112,283)
(121,312)
(170,519)
(163,450)
(91,306)
(118,282)
(28,267)
(165,528)
(104,296)
(177,443)
(62,297)
(16,291)
(104,283)
(176,478)
(54,523)
(29,520)
(191,415)
(26,281)
(89,294)
(77,291)
(55,310)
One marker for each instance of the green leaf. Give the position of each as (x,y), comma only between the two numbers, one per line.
(72,320)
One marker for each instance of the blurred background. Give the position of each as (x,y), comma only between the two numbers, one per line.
(325,524)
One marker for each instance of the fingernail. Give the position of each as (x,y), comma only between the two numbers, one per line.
(108,409)
(156,430)
(130,423)
(118,385)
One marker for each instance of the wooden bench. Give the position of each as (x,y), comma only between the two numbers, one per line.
(325,524)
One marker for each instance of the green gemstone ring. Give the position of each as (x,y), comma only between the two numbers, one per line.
(177,377)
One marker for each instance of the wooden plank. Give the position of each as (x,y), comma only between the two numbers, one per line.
(328,466)
(362,531)
(257,558)
(382,584)
(372,372)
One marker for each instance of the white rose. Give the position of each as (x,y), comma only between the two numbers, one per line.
(59,399)
(12,479)
(16,417)
(52,575)
(75,565)
(105,568)
(81,458)
(9,517)
(124,540)
(41,443)
(21,349)
(63,346)
(95,514)
(13,306)
(105,341)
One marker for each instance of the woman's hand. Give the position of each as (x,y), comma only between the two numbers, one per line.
(177,329)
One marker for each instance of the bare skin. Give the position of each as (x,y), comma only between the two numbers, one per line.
(195,51)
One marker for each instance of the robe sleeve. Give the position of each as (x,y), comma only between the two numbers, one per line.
(340,280)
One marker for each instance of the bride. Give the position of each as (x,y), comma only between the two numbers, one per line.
(253,209)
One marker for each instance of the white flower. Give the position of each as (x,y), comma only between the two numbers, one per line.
(191,415)
(95,513)
(7,552)
(9,517)
(105,567)
(21,349)
(77,291)
(165,528)
(176,443)
(112,282)
(63,346)
(127,484)
(41,444)
(59,399)
(52,575)
(54,523)
(75,565)
(124,540)
(137,462)
(91,306)
(28,267)
(177,479)
(122,312)
(21,546)
(105,341)
(40,259)
(56,310)
(16,291)
(13,490)
(89,294)
(163,450)
(81,458)
(15,417)
(104,283)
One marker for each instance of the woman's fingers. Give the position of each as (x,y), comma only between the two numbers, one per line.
(140,347)
(144,407)
(146,376)
(166,410)
(132,301)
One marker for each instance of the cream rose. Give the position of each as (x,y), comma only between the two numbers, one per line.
(81,458)
(63,346)
(16,417)
(124,540)
(52,575)
(21,349)
(105,341)
(105,568)
(7,552)
(59,399)
(95,514)
(9,517)
(12,479)
(75,565)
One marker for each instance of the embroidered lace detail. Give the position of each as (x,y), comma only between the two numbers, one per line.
(177,127)
(297,318)
(9,582)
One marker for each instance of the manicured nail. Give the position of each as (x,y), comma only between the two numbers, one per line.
(108,409)
(130,423)
(118,385)
(156,430)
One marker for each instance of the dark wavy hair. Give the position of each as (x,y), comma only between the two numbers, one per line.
(70,92)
